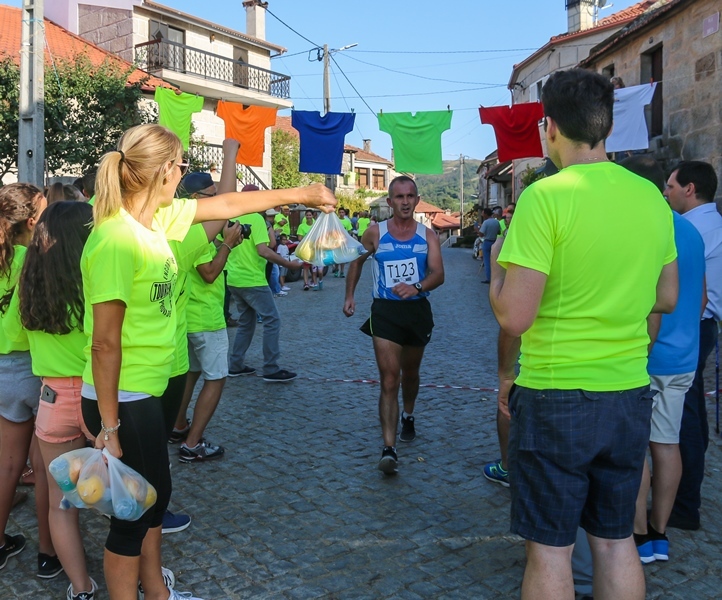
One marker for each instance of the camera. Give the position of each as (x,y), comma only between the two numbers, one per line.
(245,228)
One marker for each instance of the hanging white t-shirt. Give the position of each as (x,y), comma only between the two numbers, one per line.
(630,125)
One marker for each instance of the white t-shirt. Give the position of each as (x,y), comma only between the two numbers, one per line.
(282,249)
(630,125)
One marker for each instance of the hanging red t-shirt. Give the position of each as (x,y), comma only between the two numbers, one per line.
(248,126)
(516,129)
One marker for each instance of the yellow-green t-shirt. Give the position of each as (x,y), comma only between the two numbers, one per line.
(284,228)
(186,253)
(246,268)
(602,271)
(347,225)
(205,304)
(502,226)
(362,225)
(52,355)
(19,343)
(304,227)
(123,260)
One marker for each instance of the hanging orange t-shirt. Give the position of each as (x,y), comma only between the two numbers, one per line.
(248,126)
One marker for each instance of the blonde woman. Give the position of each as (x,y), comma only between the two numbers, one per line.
(128,276)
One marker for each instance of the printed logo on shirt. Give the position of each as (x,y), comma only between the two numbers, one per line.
(162,291)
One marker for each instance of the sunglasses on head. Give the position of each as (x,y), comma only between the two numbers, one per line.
(183,166)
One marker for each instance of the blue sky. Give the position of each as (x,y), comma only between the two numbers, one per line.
(445,37)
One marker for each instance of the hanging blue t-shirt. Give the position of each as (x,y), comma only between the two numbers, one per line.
(399,262)
(677,346)
(322,139)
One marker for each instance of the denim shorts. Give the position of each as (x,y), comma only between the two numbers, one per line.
(19,388)
(575,458)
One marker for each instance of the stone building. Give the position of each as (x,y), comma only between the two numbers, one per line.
(195,55)
(678,44)
(587,27)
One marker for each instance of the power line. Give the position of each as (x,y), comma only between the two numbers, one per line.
(292,29)
(299,86)
(294,54)
(419,76)
(351,84)
(445,51)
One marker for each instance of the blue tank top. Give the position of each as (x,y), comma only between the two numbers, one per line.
(399,262)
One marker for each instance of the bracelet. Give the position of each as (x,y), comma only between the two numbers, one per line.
(227,246)
(108,430)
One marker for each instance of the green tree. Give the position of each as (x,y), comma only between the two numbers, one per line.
(87,108)
(285,150)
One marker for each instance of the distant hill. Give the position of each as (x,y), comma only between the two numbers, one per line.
(443,189)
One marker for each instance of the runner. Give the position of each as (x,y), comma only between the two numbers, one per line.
(128,278)
(407,266)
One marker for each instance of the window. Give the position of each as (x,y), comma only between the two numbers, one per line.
(240,71)
(362,177)
(379,179)
(651,70)
(170,55)
(608,71)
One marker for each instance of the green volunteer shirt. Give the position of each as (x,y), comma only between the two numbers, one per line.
(245,267)
(347,225)
(186,254)
(19,342)
(304,227)
(205,304)
(123,260)
(284,228)
(362,225)
(52,355)
(591,329)
(175,111)
(502,226)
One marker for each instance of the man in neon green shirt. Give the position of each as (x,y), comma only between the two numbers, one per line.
(282,220)
(338,270)
(579,300)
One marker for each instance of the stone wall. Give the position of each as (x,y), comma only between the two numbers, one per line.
(109,28)
(691,88)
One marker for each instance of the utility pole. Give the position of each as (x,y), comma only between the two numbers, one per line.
(461,195)
(31,133)
(326,80)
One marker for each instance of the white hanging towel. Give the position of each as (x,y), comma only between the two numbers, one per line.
(630,126)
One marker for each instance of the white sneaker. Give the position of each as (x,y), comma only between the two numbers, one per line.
(168,579)
(281,294)
(175,595)
(83,595)
(285,288)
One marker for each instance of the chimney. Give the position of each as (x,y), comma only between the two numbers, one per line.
(256,18)
(367,145)
(580,14)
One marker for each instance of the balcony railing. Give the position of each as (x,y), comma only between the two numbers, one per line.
(163,54)
(203,156)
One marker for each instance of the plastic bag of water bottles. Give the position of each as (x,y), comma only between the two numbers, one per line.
(92,478)
(328,243)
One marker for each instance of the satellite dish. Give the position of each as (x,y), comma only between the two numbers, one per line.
(601,3)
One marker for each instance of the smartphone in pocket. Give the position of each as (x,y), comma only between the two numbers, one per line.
(48,395)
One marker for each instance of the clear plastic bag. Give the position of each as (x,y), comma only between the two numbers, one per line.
(113,488)
(328,243)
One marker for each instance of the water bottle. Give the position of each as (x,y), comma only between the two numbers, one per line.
(328,257)
(60,470)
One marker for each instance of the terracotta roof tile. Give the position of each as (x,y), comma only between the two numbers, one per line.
(62,44)
(427,208)
(444,221)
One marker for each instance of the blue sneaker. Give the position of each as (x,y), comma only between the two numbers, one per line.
(173,523)
(493,471)
(644,548)
(660,547)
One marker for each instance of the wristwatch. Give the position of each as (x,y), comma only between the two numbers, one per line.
(418,287)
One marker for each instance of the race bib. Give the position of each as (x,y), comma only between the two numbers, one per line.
(401,271)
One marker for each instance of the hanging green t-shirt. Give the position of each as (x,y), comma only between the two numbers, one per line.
(304,227)
(20,342)
(175,112)
(416,139)
(362,225)
(52,355)
(591,329)
(186,254)
(284,228)
(246,268)
(123,260)
(205,305)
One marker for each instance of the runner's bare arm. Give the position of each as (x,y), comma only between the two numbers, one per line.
(370,241)
(507,354)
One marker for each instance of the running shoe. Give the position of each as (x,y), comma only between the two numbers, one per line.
(408,432)
(645,548)
(281,376)
(493,471)
(280,294)
(174,595)
(48,566)
(179,435)
(305,287)
(83,595)
(242,373)
(168,579)
(389,461)
(173,523)
(201,452)
(285,288)
(14,544)
(320,285)
(660,544)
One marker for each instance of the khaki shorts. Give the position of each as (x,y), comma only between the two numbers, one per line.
(208,354)
(668,406)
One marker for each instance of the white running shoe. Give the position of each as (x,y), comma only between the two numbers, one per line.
(285,288)
(175,595)
(168,579)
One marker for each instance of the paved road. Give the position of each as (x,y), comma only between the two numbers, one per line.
(297,509)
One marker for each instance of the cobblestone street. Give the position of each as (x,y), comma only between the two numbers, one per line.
(297,508)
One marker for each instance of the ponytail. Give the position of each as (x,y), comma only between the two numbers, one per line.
(108,197)
(18,203)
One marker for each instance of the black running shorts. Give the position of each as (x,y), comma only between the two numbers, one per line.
(404,322)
